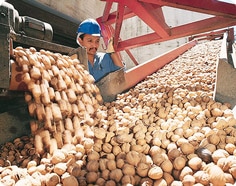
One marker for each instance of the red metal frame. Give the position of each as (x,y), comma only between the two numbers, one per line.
(140,72)
(214,35)
(150,11)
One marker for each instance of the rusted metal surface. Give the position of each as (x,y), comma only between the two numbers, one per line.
(111,85)
(4,46)
(225,88)
(38,44)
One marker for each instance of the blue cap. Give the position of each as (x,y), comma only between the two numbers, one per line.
(89,26)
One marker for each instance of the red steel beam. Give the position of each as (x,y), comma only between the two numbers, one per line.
(212,7)
(178,32)
(203,26)
(150,12)
(119,21)
(155,22)
(161,29)
(106,11)
(132,57)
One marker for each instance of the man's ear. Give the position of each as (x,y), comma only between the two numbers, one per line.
(80,40)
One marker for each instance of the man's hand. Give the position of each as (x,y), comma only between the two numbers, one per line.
(110,47)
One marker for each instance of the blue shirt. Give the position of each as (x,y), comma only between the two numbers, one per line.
(102,66)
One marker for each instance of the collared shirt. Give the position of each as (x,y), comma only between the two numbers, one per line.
(102,66)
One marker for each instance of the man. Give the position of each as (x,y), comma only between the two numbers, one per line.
(99,64)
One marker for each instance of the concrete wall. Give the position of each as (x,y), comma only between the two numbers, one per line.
(79,9)
(82,9)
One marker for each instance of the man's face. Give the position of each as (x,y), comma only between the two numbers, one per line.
(91,43)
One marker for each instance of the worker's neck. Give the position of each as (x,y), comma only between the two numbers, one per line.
(91,58)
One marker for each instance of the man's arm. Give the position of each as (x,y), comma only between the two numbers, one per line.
(116,59)
(114,56)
